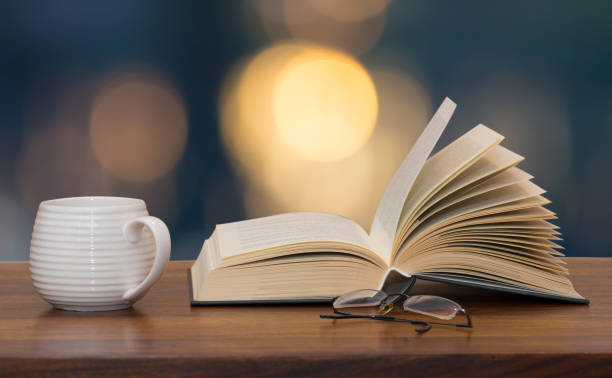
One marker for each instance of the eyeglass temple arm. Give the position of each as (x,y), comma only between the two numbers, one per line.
(469,320)
(346,315)
(426,326)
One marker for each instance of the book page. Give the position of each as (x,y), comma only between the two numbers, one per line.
(443,166)
(507,178)
(384,225)
(279,230)
(493,162)
(519,196)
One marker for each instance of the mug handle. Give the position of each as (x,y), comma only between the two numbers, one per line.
(132,230)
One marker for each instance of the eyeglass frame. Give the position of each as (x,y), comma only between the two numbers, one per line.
(426,325)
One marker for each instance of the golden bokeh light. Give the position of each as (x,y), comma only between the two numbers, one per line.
(278,177)
(255,94)
(352,186)
(296,184)
(138,125)
(403,111)
(350,10)
(325,108)
(247,120)
(352,26)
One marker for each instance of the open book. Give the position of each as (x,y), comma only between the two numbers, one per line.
(467,215)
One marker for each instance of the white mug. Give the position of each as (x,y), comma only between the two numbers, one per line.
(96,253)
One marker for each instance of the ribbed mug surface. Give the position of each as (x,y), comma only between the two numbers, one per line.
(79,256)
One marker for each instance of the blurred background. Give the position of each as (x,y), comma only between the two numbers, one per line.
(218,111)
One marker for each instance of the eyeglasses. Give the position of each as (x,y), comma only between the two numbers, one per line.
(376,304)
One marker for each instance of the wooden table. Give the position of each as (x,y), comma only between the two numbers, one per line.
(163,335)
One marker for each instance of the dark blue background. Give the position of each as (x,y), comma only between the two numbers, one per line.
(457,45)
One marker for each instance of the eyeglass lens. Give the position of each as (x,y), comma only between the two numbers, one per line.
(429,305)
(432,305)
(360,298)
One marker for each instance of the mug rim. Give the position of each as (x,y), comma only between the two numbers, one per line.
(93,203)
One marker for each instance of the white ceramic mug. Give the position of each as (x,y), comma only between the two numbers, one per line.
(96,253)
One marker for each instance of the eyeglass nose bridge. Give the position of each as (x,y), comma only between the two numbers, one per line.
(387,305)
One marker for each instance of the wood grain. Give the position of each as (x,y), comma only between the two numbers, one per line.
(163,335)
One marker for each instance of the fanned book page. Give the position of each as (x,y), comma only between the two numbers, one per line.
(466,215)
(384,224)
